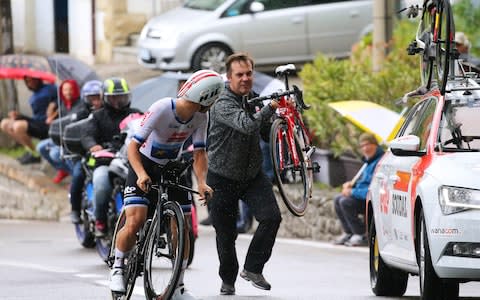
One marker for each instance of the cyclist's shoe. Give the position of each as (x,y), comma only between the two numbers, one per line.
(100,228)
(75,217)
(181,293)
(227,289)
(342,239)
(357,240)
(257,280)
(117,282)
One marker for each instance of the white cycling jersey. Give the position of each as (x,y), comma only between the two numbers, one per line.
(162,133)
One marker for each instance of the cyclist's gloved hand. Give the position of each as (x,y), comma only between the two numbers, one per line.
(144,182)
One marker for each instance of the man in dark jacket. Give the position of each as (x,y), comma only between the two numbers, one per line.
(99,134)
(235,172)
(351,202)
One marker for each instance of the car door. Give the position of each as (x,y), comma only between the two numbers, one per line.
(277,33)
(402,182)
(333,26)
(382,190)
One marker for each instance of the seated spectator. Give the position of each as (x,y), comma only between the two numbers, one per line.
(69,95)
(463,46)
(351,202)
(22,128)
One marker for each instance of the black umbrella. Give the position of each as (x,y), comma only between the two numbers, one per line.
(48,68)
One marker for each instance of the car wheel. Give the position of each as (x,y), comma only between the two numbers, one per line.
(211,57)
(384,280)
(431,286)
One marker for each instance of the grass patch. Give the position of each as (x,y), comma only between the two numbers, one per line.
(14,152)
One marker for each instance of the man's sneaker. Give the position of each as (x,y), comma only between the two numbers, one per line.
(29,158)
(100,228)
(117,282)
(181,293)
(75,217)
(357,240)
(257,280)
(61,174)
(227,289)
(342,239)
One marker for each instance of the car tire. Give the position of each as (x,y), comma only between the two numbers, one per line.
(431,286)
(212,57)
(384,280)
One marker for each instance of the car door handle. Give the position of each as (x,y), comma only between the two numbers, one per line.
(393,178)
(354,14)
(297,20)
(379,176)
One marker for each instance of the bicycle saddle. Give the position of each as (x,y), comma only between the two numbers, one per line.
(285,69)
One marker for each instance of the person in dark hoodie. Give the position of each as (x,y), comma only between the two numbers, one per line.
(235,172)
(352,200)
(69,93)
(99,134)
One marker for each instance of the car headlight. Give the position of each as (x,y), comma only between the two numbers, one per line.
(455,199)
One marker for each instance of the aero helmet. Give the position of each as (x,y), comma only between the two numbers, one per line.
(202,87)
(116,93)
(89,89)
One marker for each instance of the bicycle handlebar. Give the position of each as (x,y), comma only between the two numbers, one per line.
(277,95)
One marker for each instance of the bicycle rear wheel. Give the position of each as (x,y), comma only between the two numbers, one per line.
(445,33)
(294,182)
(164,252)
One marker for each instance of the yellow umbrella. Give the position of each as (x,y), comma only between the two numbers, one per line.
(370,117)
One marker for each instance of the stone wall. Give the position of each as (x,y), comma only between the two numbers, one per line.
(27,193)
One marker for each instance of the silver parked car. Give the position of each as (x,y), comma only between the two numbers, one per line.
(202,33)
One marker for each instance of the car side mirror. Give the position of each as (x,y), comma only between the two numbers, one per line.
(256,7)
(406,146)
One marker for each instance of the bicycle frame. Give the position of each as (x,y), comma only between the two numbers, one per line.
(290,114)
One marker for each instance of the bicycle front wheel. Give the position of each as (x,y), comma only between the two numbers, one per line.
(293,180)
(164,252)
(445,32)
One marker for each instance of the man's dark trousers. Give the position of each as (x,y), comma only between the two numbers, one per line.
(259,196)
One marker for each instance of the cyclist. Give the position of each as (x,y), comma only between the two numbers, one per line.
(167,124)
(234,135)
(99,134)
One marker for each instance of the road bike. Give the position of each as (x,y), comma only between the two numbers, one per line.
(159,249)
(290,145)
(434,41)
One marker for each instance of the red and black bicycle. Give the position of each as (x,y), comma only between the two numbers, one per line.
(290,145)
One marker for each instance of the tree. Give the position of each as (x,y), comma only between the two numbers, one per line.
(8,92)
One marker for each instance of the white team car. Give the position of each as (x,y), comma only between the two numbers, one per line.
(423,205)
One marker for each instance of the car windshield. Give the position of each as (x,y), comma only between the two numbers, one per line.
(204,4)
(459,130)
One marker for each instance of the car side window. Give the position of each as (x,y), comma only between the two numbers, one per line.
(237,8)
(420,121)
(280,4)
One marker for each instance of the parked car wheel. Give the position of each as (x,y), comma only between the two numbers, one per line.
(384,280)
(431,286)
(211,56)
